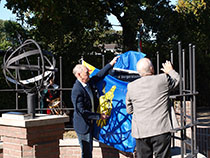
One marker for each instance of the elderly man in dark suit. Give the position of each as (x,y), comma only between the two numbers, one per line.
(148,100)
(83,100)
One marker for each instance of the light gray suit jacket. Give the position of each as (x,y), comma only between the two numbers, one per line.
(148,100)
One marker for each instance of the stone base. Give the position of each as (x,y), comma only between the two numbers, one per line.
(31,138)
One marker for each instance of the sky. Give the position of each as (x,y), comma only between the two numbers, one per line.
(6,14)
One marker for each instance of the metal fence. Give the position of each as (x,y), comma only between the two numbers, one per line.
(187,92)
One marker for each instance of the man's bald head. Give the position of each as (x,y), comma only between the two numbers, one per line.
(145,67)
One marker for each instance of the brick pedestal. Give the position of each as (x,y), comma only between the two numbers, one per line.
(32,138)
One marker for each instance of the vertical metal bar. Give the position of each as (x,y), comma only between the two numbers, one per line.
(81,60)
(184,97)
(187,79)
(16,88)
(194,103)
(39,96)
(158,62)
(180,66)
(172,57)
(183,68)
(181,92)
(190,66)
(61,83)
(172,133)
(172,101)
(16,96)
(103,60)
(139,36)
(191,98)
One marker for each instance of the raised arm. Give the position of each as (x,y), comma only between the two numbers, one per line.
(173,76)
(103,72)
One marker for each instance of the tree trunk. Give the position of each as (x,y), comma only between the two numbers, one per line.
(129,38)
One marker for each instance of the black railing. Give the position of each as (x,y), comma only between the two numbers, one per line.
(187,92)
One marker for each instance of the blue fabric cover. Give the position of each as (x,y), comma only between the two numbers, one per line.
(128,60)
(117,131)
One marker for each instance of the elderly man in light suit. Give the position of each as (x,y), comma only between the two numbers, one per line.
(148,100)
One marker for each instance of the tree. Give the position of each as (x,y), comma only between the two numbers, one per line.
(4,43)
(130,12)
(195,29)
(73,28)
(66,22)
(190,6)
(68,28)
(69,20)
(10,35)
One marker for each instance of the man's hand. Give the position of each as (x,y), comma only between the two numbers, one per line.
(167,67)
(48,100)
(104,116)
(114,60)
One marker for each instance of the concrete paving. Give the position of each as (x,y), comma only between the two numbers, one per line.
(176,153)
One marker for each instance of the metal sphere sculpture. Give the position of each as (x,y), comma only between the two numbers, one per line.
(29,67)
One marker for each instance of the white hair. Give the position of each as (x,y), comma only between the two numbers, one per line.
(78,69)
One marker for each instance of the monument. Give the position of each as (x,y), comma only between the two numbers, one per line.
(29,67)
(34,135)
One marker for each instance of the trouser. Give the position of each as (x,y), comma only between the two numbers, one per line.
(159,146)
(86,144)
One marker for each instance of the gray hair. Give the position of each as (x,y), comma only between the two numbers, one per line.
(144,66)
(78,68)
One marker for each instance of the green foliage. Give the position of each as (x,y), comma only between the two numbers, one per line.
(64,25)
(72,29)
(81,23)
(11,34)
(4,43)
(190,6)
(194,28)
(154,14)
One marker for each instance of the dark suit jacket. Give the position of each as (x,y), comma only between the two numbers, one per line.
(82,102)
